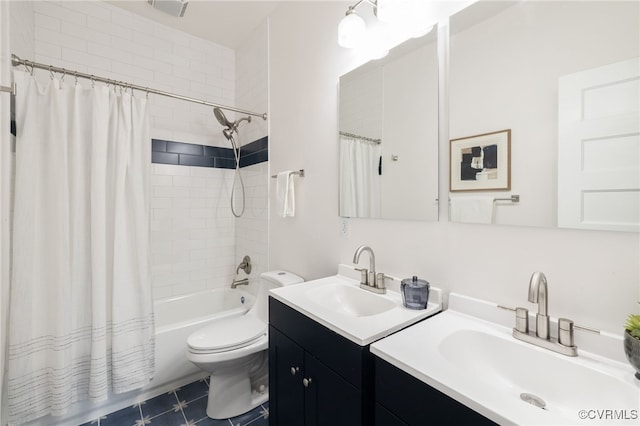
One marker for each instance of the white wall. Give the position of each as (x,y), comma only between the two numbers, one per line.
(593,276)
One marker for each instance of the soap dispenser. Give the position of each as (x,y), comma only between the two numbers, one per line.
(415,293)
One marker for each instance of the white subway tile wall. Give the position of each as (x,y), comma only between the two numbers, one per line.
(193,233)
(102,39)
(252,228)
(252,93)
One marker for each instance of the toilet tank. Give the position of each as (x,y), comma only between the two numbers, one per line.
(268,281)
(275,279)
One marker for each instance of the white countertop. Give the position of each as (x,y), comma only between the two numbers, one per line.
(419,351)
(361,330)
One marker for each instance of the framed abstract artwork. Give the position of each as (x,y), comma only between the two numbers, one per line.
(481,162)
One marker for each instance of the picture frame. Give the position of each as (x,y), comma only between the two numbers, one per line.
(481,162)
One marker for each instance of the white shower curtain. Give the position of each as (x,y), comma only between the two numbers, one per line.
(359,178)
(81,320)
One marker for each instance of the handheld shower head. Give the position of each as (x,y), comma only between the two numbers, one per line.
(230,126)
(229,129)
(222,119)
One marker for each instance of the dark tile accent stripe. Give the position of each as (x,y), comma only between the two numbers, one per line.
(196,160)
(255,152)
(185,148)
(164,158)
(186,154)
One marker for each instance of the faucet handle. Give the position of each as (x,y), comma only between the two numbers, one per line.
(380,276)
(364,275)
(565,332)
(522,320)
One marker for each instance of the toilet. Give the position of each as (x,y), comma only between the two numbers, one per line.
(234,352)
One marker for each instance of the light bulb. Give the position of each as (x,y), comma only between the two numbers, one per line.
(351,30)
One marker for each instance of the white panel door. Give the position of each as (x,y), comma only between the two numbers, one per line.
(599,148)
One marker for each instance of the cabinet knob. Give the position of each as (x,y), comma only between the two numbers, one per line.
(294,370)
(306,382)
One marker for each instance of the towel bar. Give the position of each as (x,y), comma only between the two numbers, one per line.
(513,199)
(298,172)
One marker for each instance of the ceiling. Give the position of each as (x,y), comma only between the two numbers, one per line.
(224,22)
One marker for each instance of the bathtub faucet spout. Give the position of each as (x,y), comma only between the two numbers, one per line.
(236,283)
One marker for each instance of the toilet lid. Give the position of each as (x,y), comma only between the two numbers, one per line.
(227,334)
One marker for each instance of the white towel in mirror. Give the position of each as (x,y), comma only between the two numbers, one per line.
(285,194)
(469,209)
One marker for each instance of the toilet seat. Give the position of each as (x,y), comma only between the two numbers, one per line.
(227,335)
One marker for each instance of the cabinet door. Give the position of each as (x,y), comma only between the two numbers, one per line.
(416,403)
(385,417)
(286,406)
(329,399)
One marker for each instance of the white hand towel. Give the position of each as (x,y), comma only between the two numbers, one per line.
(285,195)
(467,209)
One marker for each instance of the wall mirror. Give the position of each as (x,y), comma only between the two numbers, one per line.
(388,123)
(563,78)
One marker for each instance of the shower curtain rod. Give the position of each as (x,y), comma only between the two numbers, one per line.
(364,138)
(16,61)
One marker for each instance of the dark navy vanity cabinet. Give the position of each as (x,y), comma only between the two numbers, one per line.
(316,376)
(402,400)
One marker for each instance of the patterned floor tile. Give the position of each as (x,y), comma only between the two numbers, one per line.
(129,416)
(213,422)
(196,410)
(192,391)
(247,418)
(158,405)
(260,421)
(186,406)
(170,418)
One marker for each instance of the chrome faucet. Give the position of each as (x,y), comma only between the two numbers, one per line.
(236,283)
(369,280)
(538,293)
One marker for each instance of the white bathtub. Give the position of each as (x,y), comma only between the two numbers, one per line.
(175,319)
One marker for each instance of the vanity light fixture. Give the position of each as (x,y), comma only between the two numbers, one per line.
(352,28)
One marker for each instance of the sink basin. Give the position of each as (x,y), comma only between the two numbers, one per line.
(349,300)
(468,353)
(512,369)
(338,303)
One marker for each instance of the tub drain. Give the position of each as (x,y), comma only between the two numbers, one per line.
(533,400)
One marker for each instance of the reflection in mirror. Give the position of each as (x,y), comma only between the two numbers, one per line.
(389,135)
(563,76)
